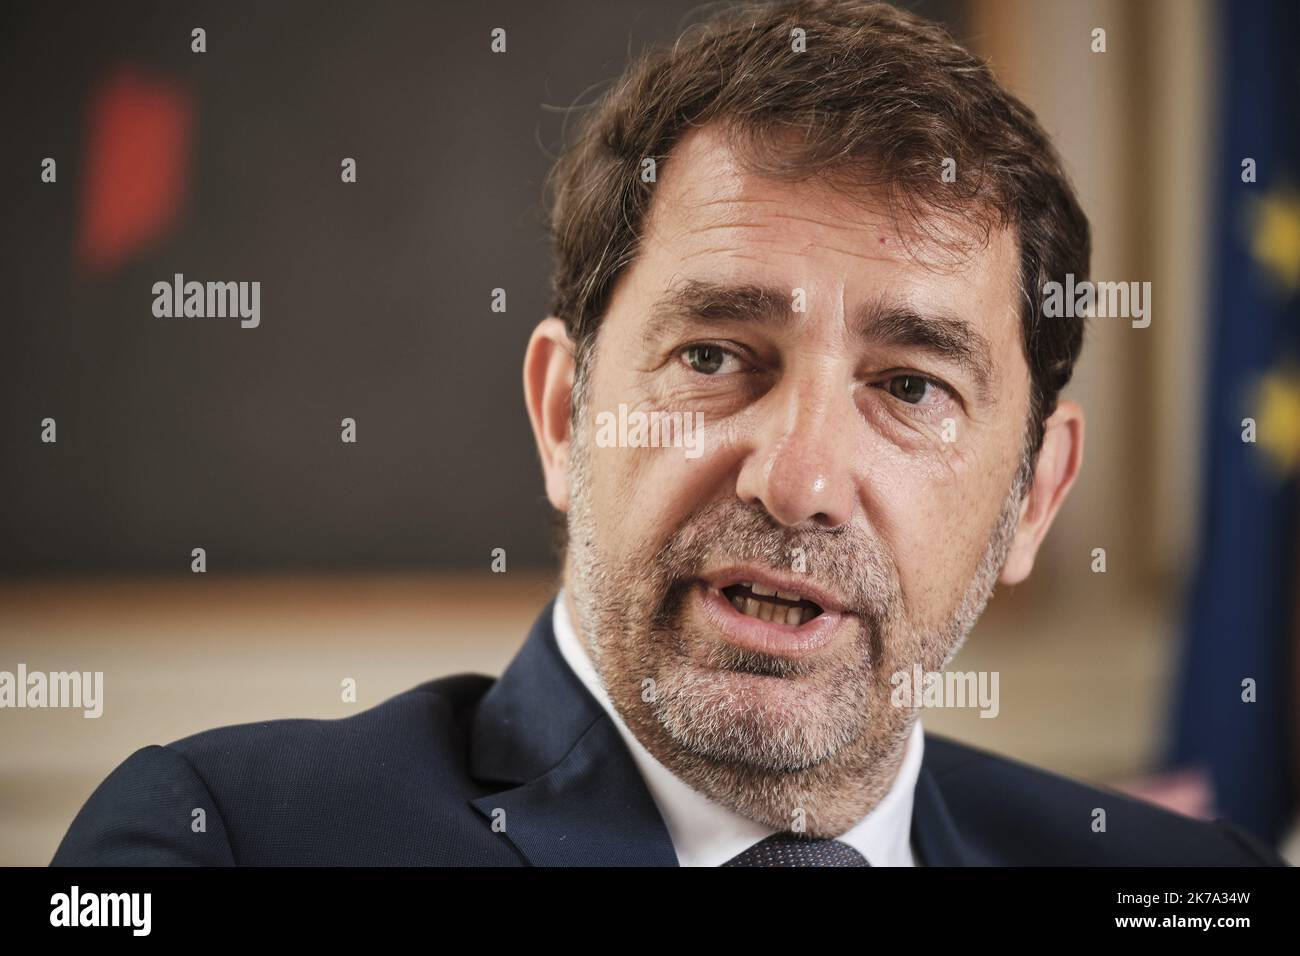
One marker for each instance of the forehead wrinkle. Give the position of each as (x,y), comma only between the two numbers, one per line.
(772,220)
(768,232)
(856,254)
(842,226)
(769,236)
(743,227)
(837,211)
(729,250)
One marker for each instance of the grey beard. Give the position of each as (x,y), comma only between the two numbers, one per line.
(830,753)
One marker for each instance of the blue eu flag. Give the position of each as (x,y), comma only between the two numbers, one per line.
(1234,711)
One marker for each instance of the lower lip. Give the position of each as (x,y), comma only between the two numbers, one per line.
(766,637)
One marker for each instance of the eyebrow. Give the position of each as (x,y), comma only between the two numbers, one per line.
(694,299)
(948,337)
(944,335)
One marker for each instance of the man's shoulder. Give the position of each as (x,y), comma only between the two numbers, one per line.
(388,785)
(1013,813)
(423,723)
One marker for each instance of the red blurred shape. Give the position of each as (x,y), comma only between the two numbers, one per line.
(136,166)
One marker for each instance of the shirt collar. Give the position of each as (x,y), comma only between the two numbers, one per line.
(704,832)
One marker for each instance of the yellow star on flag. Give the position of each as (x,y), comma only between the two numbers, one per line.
(1275,237)
(1277,399)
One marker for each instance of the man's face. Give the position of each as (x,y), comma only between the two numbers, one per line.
(864,397)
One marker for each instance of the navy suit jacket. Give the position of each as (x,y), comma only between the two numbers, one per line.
(420,778)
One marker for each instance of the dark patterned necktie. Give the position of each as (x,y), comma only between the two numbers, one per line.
(788,849)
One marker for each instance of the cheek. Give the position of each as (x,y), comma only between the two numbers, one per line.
(934,526)
(647,481)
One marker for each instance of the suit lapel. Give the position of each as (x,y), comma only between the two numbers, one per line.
(573,794)
(934,834)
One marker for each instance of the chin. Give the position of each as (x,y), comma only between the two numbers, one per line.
(777,723)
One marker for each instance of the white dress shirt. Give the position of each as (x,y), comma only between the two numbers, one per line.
(705,833)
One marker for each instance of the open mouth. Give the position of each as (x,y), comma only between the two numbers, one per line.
(770,604)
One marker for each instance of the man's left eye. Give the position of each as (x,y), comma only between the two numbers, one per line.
(912,389)
(706,359)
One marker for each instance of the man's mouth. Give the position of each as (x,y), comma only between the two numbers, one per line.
(769,611)
(770,604)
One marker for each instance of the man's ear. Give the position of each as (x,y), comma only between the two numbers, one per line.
(1058,465)
(548,393)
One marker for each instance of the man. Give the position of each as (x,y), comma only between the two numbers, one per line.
(799,405)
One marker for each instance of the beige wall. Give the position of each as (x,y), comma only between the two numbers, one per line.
(1134,127)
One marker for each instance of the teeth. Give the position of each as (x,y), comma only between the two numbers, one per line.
(769,611)
(789,595)
(762,590)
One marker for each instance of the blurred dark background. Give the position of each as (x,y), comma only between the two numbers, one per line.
(376,295)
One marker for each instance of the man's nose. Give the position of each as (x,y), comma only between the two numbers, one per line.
(800,468)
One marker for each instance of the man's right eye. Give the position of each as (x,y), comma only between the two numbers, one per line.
(705,359)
